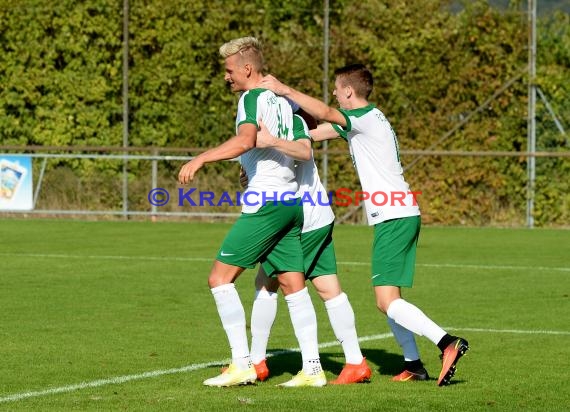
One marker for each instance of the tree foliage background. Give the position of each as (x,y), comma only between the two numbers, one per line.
(434,65)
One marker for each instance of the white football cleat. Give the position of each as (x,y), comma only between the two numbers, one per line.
(302,379)
(233,376)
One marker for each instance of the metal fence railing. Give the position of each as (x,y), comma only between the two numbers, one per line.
(63,187)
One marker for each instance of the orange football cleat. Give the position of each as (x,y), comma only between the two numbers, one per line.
(352,373)
(419,375)
(454,351)
(261,370)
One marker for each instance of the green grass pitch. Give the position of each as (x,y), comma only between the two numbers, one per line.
(118,316)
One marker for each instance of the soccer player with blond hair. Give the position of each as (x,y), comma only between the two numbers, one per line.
(270,224)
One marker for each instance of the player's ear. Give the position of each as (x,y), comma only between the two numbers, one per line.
(248,69)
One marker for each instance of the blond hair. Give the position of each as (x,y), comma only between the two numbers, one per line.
(249,49)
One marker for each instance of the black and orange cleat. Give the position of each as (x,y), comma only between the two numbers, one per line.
(405,376)
(451,355)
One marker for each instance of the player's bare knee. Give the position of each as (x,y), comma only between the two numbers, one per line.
(291,282)
(289,289)
(385,295)
(382,306)
(328,294)
(219,278)
(327,286)
(223,273)
(216,279)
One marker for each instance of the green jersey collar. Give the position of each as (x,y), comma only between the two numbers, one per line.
(358,112)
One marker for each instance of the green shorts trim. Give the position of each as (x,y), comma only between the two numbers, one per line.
(271,234)
(394,251)
(319,257)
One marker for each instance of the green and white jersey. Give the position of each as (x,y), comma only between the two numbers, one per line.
(376,157)
(270,173)
(316,208)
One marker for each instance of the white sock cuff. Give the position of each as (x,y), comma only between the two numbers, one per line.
(394,307)
(265,294)
(223,288)
(297,295)
(336,301)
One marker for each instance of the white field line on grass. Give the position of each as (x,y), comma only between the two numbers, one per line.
(513,331)
(471,266)
(210,259)
(197,366)
(152,374)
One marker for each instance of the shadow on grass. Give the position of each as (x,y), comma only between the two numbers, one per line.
(380,361)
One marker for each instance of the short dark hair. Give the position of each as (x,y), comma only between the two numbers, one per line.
(358,77)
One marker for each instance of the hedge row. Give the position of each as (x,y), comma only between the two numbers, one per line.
(61,84)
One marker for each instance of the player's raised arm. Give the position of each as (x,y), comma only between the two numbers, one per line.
(298,149)
(230,149)
(314,107)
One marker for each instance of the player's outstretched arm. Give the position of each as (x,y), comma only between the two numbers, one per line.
(297,149)
(324,131)
(230,149)
(314,107)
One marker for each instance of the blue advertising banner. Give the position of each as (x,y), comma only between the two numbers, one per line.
(16,182)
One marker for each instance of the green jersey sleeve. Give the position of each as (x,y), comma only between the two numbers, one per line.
(249,107)
(343,131)
(300,129)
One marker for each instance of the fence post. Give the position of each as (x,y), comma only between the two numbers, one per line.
(154,182)
(125,106)
(531,138)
